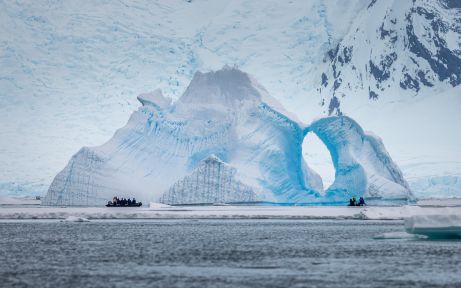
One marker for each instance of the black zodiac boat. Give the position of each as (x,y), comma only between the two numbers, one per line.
(122,202)
(137,204)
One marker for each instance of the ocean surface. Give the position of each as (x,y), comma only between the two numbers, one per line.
(222,253)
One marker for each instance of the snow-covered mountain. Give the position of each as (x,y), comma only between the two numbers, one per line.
(225,140)
(70,72)
(395,49)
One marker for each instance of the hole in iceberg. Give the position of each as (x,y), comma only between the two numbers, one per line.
(318,158)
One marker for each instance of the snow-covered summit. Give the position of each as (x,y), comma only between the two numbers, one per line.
(220,142)
(228,90)
(393,51)
(228,87)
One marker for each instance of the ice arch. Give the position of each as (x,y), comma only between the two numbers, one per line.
(362,165)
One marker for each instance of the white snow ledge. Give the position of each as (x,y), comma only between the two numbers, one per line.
(235,212)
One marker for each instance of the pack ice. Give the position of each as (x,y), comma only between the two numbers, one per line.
(224,140)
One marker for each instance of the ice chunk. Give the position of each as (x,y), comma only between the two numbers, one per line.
(382,213)
(75,219)
(398,235)
(435,226)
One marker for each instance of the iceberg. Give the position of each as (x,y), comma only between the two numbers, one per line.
(225,140)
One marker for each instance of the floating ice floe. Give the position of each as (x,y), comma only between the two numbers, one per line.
(399,235)
(75,219)
(435,226)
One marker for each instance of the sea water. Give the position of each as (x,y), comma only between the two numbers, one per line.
(222,253)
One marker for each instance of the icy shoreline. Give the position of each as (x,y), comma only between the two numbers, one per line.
(226,212)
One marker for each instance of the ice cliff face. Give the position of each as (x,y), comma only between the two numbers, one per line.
(213,181)
(224,140)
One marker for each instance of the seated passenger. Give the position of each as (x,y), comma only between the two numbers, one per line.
(361,201)
(134,201)
(129,202)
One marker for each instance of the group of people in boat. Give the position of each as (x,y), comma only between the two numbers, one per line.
(353,201)
(123,202)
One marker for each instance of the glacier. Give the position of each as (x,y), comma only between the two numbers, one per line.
(224,140)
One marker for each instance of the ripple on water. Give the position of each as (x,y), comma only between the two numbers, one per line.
(223,253)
